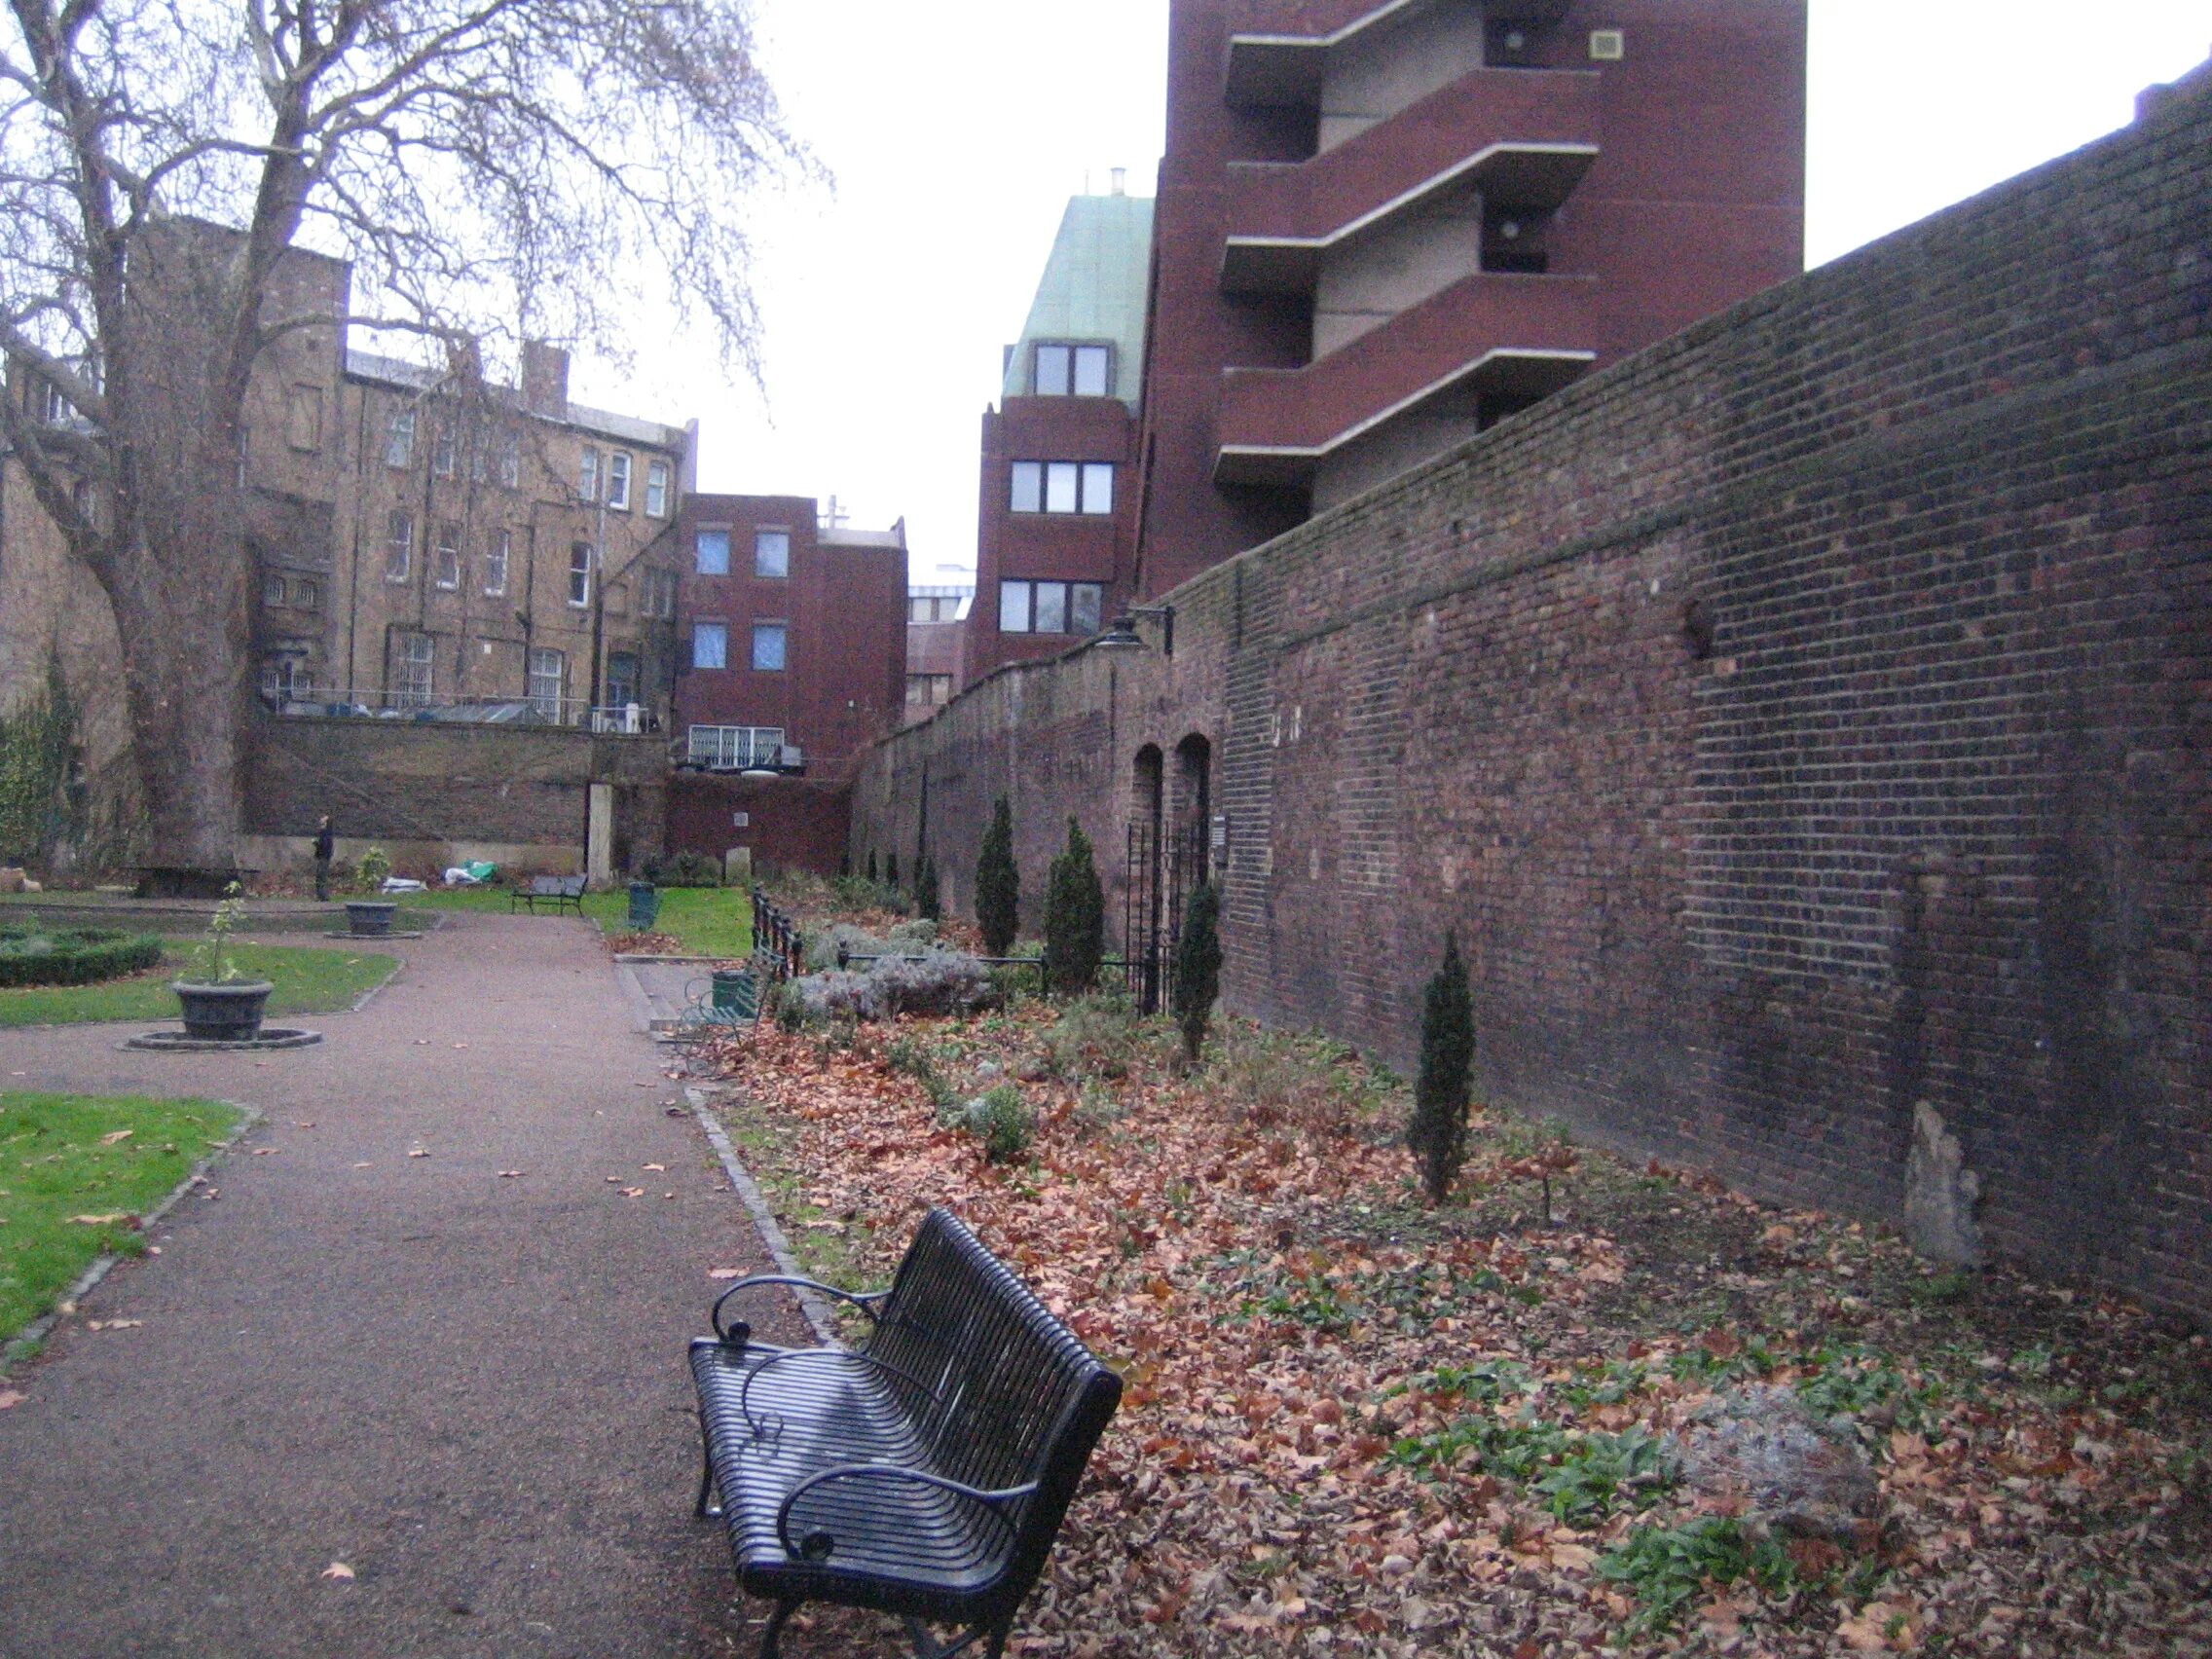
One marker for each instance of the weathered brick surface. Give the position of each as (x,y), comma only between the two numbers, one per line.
(1807,717)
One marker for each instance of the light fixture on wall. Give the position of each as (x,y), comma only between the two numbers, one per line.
(1122,632)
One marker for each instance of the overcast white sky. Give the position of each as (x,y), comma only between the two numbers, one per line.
(957,131)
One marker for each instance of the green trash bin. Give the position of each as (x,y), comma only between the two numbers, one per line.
(645,905)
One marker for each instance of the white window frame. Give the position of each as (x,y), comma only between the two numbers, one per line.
(544,660)
(761,540)
(1062,489)
(498,553)
(699,549)
(415,664)
(445,555)
(657,477)
(701,632)
(587,475)
(736,747)
(782,632)
(1020,612)
(580,563)
(399,538)
(399,440)
(510,446)
(445,449)
(618,481)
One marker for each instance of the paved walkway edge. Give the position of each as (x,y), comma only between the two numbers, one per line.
(816,1307)
(35,1332)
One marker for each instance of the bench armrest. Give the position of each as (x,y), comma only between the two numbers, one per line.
(843,1356)
(736,1335)
(819,1546)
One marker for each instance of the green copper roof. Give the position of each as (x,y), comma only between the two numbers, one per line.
(1093,290)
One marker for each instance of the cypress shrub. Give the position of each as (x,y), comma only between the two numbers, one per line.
(1197,981)
(1075,918)
(928,902)
(871,875)
(891,869)
(1438,1130)
(998,884)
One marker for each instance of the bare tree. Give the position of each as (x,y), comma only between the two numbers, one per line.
(486,164)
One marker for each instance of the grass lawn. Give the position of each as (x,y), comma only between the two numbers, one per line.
(306,982)
(67,1157)
(710,921)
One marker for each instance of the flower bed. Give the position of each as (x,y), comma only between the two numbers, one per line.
(72,956)
(1355,1424)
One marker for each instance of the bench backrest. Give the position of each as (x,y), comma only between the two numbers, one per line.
(545,886)
(572,886)
(1017,1397)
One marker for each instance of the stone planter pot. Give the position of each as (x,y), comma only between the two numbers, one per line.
(370,918)
(223,1014)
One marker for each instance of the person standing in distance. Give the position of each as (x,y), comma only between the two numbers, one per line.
(325,845)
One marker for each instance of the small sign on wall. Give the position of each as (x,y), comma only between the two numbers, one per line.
(741,820)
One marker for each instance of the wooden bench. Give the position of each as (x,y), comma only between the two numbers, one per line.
(923,1473)
(561,892)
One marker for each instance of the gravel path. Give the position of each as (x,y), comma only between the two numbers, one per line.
(468,1388)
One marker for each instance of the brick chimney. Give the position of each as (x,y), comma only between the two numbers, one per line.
(544,379)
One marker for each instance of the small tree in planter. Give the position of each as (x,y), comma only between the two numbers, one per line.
(220,1003)
(370,873)
(1438,1130)
(928,901)
(1075,918)
(1196,982)
(998,884)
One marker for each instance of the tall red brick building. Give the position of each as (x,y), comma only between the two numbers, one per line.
(1384,226)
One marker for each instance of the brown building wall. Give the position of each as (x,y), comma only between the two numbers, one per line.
(1801,722)
(1694,200)
(790,822)
(844,608)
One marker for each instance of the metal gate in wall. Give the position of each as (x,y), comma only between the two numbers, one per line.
(1161,868)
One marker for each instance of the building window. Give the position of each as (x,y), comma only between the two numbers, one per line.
(287,680)
(414,676)
(548,681)
(579,574)
(398,547)
(618,481)
(1063,487)
(306,594)
(658,600)
(445,564)
(657,488)
(272,592)
(928,690)
(509,447)
(303,418)
(714,552)
(621,679)
(399,440)
(442,450)
(1051,608)
(731,748)
(587,475)
(772,642)
(710,645)
(1074,371)
(773,554)
(495,554)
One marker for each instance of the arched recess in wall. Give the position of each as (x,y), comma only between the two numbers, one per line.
(1143,912)
(1193,805)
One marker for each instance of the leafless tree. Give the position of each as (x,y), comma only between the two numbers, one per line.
(487,165)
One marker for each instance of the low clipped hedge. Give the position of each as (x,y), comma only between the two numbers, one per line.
(72,956)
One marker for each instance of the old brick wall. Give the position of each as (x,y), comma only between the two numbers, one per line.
(447,790)
(1804,720)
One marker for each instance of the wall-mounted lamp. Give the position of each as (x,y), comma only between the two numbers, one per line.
(1122,632)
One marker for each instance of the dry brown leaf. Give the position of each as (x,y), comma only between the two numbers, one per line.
(117,1137)
(119,1218)
(337,1569)
(11,1398)
(725,1273)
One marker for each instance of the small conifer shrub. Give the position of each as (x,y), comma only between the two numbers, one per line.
(871,872)
(1075,918)
(998,884)
(891,870)
(928,901)
(1438,1130)
(1197,981)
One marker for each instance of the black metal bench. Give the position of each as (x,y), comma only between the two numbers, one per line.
(923,1473)
(561,892)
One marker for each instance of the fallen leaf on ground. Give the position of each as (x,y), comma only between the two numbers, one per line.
(113,1324)
(661,1168)
(10,1398)
(363,1166)
(297,1125)
(337,1569)
(119,1136)
(633,1192)
(265,1152)
(120,1218)
(461,1045)
(511,1175)
(725,1273)
(668,1195)
(417,1152)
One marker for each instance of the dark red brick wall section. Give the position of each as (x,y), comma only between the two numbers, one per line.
(790,823)
(1805,719)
